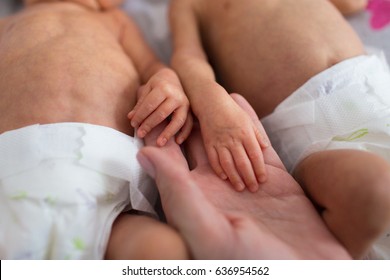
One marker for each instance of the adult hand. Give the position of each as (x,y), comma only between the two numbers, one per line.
(277,222)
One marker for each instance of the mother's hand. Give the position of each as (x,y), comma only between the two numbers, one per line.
(277,222)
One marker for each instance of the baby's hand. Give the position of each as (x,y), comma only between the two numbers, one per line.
(234,146)
(161,97)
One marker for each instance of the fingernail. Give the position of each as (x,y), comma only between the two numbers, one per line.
(262,178)
(134,124)
(240,187)
(254,188)
(223,176)
(129,115)
(163,141)
(141,133)
(179,140)
(265,142)
(147,165)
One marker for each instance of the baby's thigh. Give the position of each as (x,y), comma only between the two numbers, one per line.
(141,237)
(351,188)
(342,175)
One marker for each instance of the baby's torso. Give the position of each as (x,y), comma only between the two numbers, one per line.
(60,62)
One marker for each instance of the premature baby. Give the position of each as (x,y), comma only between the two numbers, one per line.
(70,72)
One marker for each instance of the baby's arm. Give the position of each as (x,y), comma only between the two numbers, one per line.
(233,144)
(349,6)
(161,95)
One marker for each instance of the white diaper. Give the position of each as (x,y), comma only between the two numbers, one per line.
(344,107)
(61,187)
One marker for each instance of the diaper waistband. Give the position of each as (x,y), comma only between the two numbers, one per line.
(371,82)
(343,100)
(101,148)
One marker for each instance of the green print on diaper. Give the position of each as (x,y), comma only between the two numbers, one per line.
(79,156)
(21,195)
(109,197)
(353,136)
(79,244)
(50,200)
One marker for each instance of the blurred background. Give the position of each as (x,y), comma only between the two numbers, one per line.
(9,6)
(151,16)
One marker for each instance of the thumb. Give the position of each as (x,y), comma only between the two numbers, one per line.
(170,170)
(163,163)
(185,205)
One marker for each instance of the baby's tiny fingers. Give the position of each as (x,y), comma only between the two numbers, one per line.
(177,121)
(263,141)
(155,118)
(256,158)
(227,163)
(244,166)
(214,162)
(141,95)
(185,130)
(130,115)
(147,107)
(142,92)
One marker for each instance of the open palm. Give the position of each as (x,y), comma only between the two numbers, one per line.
(277,222)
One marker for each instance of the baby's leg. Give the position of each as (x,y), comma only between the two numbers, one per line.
(352,188)
(136,237)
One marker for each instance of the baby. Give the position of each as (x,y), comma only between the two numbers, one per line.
(323,101)
(70,72)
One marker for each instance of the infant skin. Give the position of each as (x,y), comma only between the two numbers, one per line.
(63,62)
